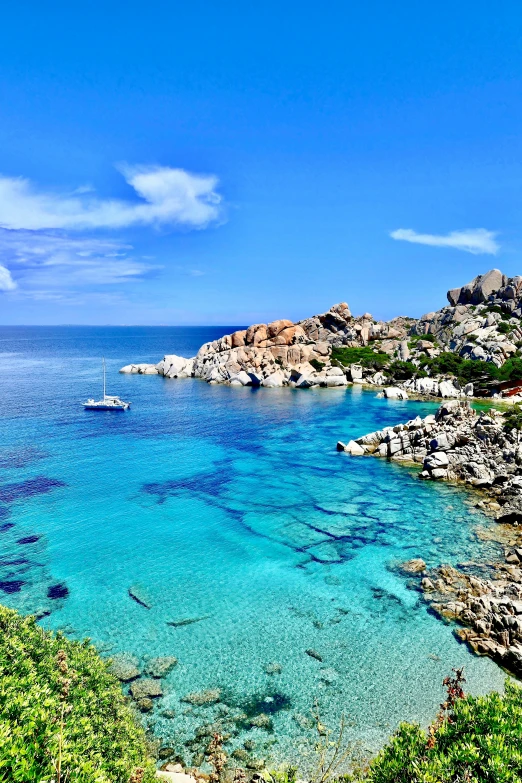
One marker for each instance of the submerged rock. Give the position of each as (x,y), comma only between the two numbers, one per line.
(415,566)
(273,668)
(202,698)
(146,688)
(124,667)
(161,666)
(57,591)
(187,621)
(140,595)
(262,721)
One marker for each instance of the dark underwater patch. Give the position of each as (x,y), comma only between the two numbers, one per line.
(13,586)
(59,590)
(25,489)
(21,457)
(268,703)
(28,540)
(6,526)
(18,562)
(204,483)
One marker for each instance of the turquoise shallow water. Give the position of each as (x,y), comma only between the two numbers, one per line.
(230,505)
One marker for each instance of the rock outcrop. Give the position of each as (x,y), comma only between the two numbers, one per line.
(483,321)
(459,444)
(281,353)
(478,449)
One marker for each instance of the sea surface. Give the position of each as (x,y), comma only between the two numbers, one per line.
(229,507)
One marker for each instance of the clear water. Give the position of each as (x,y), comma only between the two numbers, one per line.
(231,505)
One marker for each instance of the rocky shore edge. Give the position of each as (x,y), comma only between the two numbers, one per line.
(471,347)
(482,450)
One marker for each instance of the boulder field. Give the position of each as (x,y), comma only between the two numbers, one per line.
(483,321)
(282,353)
(457,444)
(483,451)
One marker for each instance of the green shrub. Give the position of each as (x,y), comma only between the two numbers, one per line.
(403,371)
(511,370)
(364,355)
(513,418)
(504,327)
(481,743)
(59,703)
(414,338)
(499,310)
(465,370)
(316,364)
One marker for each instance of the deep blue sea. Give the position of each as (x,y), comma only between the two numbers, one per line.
(231,505)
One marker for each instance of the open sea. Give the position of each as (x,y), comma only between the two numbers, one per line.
(229,507)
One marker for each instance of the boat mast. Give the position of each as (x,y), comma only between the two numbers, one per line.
(104,395)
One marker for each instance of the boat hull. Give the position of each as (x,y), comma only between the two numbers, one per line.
(104,407)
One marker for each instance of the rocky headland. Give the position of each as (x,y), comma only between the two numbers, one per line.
(482,323)
(482,450)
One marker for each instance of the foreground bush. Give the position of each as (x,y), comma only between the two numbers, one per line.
(63,716)
(479,742)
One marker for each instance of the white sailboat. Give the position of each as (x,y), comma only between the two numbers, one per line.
(108,403)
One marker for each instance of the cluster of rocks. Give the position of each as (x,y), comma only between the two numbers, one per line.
(145,683)
(281,353)
(457,444)
(482,321)
(488,608)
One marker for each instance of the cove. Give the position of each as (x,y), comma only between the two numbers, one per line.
(231,509)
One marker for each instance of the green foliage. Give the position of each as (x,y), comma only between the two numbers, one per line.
(316,364)
(414,338)
(511,370)
(499,310)
(481,743)
(504,327)
(60,706)
(513,418)
(364,355)
(403,371)
(283,774)
(466,370)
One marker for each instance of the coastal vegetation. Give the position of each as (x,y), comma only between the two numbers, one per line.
(477,739)
(63,716)
(446,363)
(364,355)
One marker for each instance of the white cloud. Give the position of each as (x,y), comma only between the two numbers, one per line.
(50,262)
(6,281)
(168,197)
(471,240)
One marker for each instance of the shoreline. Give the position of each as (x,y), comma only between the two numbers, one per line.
(484,599)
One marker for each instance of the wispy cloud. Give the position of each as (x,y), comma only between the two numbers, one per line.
(471,240)
(168,196)
(49,262)
(6,281)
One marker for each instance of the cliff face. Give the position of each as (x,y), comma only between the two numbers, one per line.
(482,321)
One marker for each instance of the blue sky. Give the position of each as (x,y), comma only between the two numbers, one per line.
(207,163)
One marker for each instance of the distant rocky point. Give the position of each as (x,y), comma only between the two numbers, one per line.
(483,322)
